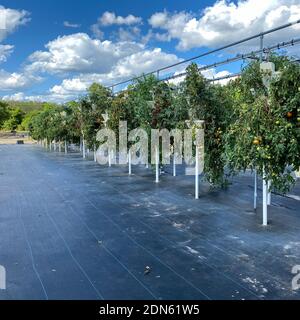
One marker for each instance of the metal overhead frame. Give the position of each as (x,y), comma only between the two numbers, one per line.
(239,57)
(259,35)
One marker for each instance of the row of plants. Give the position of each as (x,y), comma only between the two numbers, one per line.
(247,125)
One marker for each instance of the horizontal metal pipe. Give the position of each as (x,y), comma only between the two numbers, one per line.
(239,57)
(235,59)
(211,51)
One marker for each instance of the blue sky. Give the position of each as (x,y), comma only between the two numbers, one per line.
(53,50)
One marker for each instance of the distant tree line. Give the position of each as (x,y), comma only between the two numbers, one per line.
(17,115)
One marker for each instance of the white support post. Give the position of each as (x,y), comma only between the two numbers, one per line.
(255,190)
(174,165)
(197,174)
(156,165)
(269,192)
(95,154)
(66,147)
(265,201)
(129,161)
(83,149)
(59,146)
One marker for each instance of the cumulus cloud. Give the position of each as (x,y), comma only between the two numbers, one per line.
(128,34)
(69,86)
(110,18)
(79,53)
(10,20)
(16,81)
(130,66)
(19,96)
(5,52)
(82,60)
(217,24)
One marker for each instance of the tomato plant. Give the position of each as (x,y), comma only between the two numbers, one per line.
(265,131)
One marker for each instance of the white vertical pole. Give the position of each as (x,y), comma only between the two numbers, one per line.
(255,189)
(156,165)
(265,203)
(269,192)
(174,165)
(197,175)
(129,161)
(59,146)
(95,154)
(66,147)
(83,149)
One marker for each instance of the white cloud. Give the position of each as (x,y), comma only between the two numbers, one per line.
(69,86)
(159,19)
(97,32)
(71,25)
(10,20)
(143,62)
(225,22)
(132,65)
(5,51)
(110,18)
(82,60)
(79,53)
(163,37)
(16,81)
(128,34)
(19,96)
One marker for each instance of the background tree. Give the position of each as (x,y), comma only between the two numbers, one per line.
(15,119)
(4,113)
